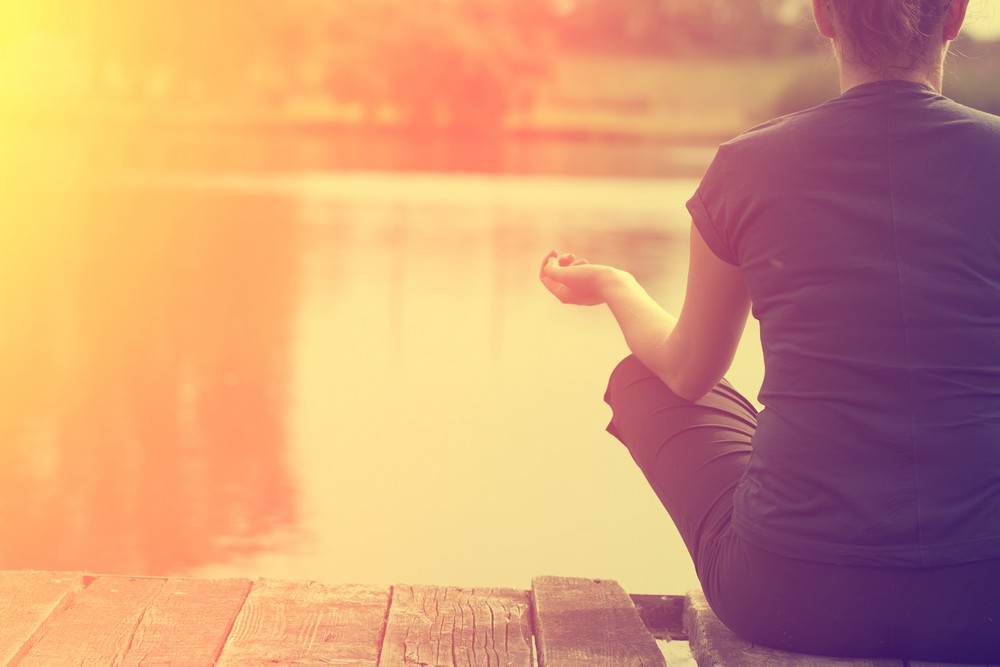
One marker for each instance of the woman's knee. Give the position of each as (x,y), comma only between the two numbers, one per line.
(631,377)
(644,407)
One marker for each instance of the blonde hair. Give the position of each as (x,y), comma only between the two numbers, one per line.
(888,34)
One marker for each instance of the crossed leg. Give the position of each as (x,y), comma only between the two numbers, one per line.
(694,454)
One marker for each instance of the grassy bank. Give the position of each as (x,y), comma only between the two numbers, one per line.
(691,100)
(583,97)
(665,99)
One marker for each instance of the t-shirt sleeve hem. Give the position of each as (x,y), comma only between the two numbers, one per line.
(703,221)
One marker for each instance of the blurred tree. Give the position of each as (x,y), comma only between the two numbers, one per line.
(680,27)
(456,63)
(435,63)
(461,65)
(183,49)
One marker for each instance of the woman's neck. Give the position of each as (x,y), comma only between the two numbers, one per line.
(852,79)
(932,75)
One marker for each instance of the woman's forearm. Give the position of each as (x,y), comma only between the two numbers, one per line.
(650,332)
(645,325)
(690,353)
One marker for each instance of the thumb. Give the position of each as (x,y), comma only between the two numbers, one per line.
(553,269)
(545,262)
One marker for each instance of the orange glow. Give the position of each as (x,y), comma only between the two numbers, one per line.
(294,376)
(268,294)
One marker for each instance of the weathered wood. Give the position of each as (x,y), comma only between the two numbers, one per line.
(433,626)
(589,622)
(299,623)
(29,601)
(663,615)
(714,645)
(98,626)
(53,618)
(187,623)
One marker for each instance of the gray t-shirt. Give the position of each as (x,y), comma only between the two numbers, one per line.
(868,232)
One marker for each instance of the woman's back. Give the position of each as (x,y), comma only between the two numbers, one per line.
(868,233)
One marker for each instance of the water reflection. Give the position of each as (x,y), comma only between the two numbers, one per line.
(145,360)
(347,378)
(172,146)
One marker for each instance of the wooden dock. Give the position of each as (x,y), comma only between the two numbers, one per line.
(49,619)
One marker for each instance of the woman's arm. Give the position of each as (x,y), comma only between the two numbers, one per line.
(690,353)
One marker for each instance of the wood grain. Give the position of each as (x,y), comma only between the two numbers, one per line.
(300,623)
(590,622)
(98,626)
(435,626)
(187,623)
(53,618)
(29,601)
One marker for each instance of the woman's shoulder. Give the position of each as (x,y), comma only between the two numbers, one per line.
(986,123)
(772,143)
(780,132)
(848,121)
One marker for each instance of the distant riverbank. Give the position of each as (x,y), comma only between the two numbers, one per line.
(595,115)
(582,97)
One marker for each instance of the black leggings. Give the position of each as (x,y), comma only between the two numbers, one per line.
(693,455)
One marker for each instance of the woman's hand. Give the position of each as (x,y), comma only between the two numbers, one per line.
(575,281)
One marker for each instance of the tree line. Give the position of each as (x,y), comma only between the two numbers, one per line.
(455,63)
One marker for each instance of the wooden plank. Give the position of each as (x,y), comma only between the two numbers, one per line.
(29,601)
(589,622)
(306,622)
(462,627)
(187,623)
(98,626)
(713,644)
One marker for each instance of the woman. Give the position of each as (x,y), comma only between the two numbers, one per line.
(859,513)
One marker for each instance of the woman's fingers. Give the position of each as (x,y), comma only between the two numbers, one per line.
(564,259)
(574,280)
(555,276)
(555,263)
(554,268)
(552,254)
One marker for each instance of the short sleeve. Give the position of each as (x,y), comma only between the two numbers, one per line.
(708,210)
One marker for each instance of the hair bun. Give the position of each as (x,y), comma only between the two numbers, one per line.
(888,34)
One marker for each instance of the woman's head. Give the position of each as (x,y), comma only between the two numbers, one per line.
(887,36)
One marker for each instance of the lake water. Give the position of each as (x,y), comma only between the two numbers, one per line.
(351,377)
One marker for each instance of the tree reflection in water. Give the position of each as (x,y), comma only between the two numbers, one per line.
(338,376)
(144,357)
